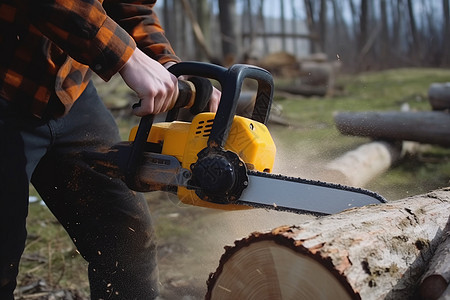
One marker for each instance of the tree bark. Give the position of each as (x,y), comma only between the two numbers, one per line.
(446,32)
(436,279)
(412,23)
(431,127)
(227,18)
(373,252)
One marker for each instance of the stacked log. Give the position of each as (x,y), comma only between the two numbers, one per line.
(373,252)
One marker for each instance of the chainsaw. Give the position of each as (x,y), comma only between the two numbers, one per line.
(220,160)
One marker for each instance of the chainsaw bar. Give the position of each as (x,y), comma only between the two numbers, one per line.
(266,190)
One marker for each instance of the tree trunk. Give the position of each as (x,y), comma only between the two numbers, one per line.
(446,32)
(363,32)
(323,25)
(412,23)
(431,127)
(312,27)
(373,252)
(227,17)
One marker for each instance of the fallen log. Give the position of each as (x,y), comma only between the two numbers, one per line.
(429,127)
(373,252)
(360,166)
(439,96)
(436,279)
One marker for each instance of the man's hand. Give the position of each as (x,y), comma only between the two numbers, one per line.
(156,87)
(214,100)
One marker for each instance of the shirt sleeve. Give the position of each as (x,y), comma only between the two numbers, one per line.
(84,31)
(139,19)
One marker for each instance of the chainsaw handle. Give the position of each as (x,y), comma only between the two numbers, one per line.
(231,81)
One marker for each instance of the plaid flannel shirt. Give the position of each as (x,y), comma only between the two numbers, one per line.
(50,46)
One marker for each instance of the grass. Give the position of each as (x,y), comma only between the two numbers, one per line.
(312,138)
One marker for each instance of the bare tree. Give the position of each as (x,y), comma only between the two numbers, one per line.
(446,30)
(227,18)
(384,40)
(311,21)
(323,24)
(412,23)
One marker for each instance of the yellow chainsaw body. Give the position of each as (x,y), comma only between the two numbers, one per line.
(249,139)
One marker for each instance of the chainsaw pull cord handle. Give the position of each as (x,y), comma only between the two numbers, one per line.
(231,81)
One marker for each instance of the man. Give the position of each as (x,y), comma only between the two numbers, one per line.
(50,112)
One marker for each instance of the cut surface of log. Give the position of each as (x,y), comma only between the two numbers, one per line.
(373,252)
(429,127)
(280,281)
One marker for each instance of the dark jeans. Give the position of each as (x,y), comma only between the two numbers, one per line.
(109,224)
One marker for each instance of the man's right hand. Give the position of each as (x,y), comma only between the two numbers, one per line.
(156,87)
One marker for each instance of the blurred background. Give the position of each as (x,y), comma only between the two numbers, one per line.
(363,34)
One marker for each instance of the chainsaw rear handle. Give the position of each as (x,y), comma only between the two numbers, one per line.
(231,81)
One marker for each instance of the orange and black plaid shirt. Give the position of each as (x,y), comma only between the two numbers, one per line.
(49,47)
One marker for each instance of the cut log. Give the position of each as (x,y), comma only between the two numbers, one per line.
(436,279)
(439,96)
(373,252)
(429,127)
(360,166)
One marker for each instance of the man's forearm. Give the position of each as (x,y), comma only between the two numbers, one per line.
(139,19)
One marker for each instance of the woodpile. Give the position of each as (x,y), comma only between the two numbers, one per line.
(384,251)
(311,76)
